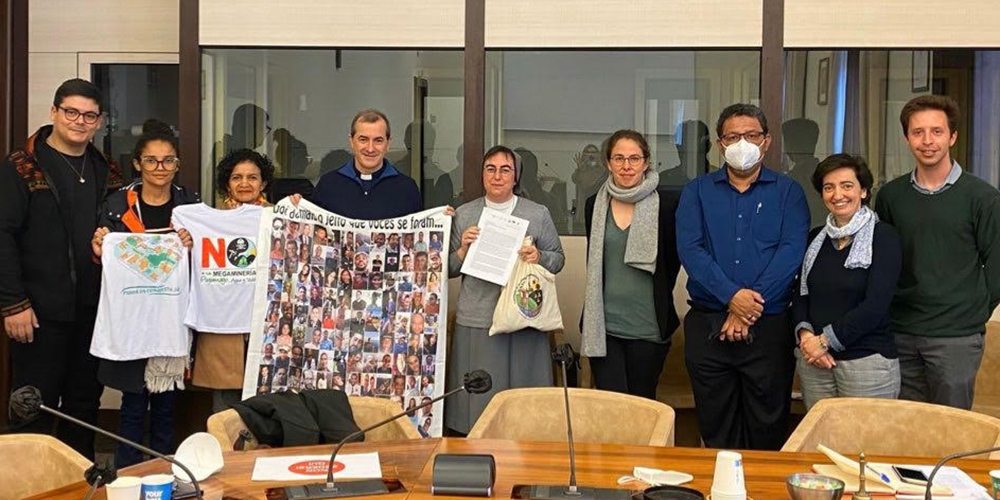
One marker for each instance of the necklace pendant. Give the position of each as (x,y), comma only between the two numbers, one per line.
(82,180)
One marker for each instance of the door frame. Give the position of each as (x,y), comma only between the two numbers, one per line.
(84,60)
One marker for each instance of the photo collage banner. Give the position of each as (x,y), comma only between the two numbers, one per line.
(357,306)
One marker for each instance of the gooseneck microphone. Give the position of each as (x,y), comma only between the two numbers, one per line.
(26,403)
(565,356)
(474,382)
(98,476)
(953,456)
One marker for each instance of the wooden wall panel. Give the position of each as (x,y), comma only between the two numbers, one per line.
(103,26)
(891,23)
(333,23)
(623,23)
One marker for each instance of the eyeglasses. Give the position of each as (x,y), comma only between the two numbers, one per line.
(505,170)
(755,137)
(634,160)
(150,163)
(72,114)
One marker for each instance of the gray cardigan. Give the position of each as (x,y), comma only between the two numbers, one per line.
(477,298)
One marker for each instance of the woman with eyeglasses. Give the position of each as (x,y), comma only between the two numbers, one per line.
(143,206)
(632,264)
(220,358)
(518,359)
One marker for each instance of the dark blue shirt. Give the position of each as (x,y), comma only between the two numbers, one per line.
(729,240)
(386,195)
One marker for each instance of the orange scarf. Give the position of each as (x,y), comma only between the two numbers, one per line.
(229,203)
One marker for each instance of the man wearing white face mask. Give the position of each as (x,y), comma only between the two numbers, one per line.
(741,235)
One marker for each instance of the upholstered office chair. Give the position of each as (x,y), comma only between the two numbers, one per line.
(893,427)
(33,463)
(227,425)
(539,414)
(988,378)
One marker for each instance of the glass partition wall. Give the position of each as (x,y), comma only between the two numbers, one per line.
(558,107)
(296,106)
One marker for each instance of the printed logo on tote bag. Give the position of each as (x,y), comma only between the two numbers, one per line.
(528,296)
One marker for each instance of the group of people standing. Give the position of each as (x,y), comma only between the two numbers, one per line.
(890,302)
(61,198)
(886,302)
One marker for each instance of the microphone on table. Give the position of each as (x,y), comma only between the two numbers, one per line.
(26,403)
(474,382)
(962,454)
(564,355)
(98,476)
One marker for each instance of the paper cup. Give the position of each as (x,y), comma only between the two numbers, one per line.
(727,484)
(157,487)
(995,481)
(124,488)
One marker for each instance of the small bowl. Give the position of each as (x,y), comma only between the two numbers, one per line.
(814,487)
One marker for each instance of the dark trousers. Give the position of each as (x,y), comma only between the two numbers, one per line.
(939,370)
(161,424)
(59,364)
(742,390)
(631,366)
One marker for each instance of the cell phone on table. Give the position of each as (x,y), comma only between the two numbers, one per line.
(911,476)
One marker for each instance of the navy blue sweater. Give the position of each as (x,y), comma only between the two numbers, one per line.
(389,193)
(854,303)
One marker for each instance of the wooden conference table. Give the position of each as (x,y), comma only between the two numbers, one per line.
(520,462)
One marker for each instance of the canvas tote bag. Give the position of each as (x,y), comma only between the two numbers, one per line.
(528,300)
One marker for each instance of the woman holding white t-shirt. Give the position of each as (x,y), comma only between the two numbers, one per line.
(145,206)
(220,358)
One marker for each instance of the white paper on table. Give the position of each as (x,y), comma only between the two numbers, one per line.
(961,485)
(493,255)
(303,467)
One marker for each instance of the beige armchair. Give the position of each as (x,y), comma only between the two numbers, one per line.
(33,463)
(674,387)
(893,427)
(987,398)
(539,414)
(226,425)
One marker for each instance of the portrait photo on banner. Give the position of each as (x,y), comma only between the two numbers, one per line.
(357,306)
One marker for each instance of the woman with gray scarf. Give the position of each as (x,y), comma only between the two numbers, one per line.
(848,279)
(518,359)
(632,264)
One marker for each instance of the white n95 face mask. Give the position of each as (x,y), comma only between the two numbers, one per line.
(742,155)
(656,477)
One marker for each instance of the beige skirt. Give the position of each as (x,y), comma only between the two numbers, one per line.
(219,360)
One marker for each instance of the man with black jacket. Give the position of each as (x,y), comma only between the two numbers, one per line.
(50,191)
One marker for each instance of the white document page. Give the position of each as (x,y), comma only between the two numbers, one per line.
(961,485)
(312,467)
(492,256)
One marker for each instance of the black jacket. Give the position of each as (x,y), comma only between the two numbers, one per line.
(37,257)
(667,262)
(287,418)
(119,214)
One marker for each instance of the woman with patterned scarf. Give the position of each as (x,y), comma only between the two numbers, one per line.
(848,279)
(241,178)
